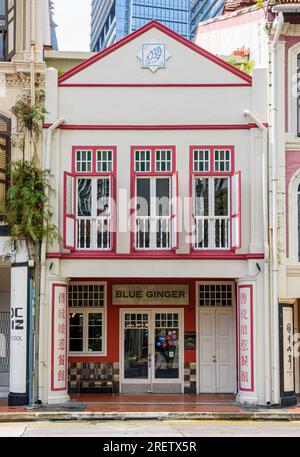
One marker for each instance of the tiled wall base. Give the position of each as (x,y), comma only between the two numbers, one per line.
(93,377)
(190,378)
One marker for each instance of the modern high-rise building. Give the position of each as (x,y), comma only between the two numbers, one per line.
(114,19)
(202,10)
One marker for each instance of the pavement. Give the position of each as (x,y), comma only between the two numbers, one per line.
(162,431)
(115,407)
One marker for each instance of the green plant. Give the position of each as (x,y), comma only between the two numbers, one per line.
(27,209)
(30,116)
(246,67)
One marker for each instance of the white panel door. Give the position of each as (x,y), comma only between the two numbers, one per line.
(225,357)
(207,353)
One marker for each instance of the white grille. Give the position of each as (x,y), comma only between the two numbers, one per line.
(87,295)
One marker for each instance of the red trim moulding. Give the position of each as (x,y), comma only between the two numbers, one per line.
(166,255)
(157,127)
(170,85)
(156,25)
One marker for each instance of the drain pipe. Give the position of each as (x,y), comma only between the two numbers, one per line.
(264,131)
(46,165)
(274,179)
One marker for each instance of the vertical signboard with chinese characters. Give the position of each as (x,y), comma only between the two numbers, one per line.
(245,329)
(286,334)
(59,362)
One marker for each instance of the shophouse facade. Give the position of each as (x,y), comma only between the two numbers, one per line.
(160,281)
(271,37)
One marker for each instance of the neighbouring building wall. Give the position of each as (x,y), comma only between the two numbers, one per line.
(243,29)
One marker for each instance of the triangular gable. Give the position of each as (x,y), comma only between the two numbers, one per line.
(230,74)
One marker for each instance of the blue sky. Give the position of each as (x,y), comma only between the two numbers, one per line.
(73,20)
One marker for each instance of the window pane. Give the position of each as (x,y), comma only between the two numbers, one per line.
(202,197)
(76,332)
(103,194)
(84,161)
(95,332)
(84,197)
(221,197)
(162,197)
(143,197)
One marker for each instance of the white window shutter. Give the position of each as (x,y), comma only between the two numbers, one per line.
(174,214)
(69,211)
(236,210)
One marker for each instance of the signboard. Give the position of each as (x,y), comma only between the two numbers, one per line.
(189,340)
(150,294)
(245,323)
(59,362)
(286,333)
(18,330)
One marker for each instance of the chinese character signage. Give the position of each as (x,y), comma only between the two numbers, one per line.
(245,323)
(286,326)
(59,369)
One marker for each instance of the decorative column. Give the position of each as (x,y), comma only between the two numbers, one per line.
(58,357)
(247,389)
(19,328)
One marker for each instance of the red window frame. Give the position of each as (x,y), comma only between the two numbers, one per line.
(94,173)
(211,173)
(152,173)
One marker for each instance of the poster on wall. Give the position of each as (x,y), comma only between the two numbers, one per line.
(245,323)
(189,340)
(59,371)
(286,335)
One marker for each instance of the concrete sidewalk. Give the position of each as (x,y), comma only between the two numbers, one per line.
(154,407)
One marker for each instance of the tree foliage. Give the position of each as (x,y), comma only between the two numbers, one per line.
(30,116)
(27,209)
(246,67)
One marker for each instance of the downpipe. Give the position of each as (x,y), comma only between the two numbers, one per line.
(274,186)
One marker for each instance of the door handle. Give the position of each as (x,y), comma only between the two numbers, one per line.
(214,359)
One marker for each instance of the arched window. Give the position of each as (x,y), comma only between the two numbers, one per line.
(4,159)
(298,207)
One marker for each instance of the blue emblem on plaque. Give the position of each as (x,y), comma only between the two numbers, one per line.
(153,56)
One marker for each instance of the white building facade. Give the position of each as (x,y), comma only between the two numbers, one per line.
(160,280)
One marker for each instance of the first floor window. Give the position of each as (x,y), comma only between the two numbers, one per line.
(4,159)
(153,213)
(7,29)
(211,213)
(87,308)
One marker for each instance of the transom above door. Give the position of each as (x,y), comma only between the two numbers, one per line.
(151,351)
